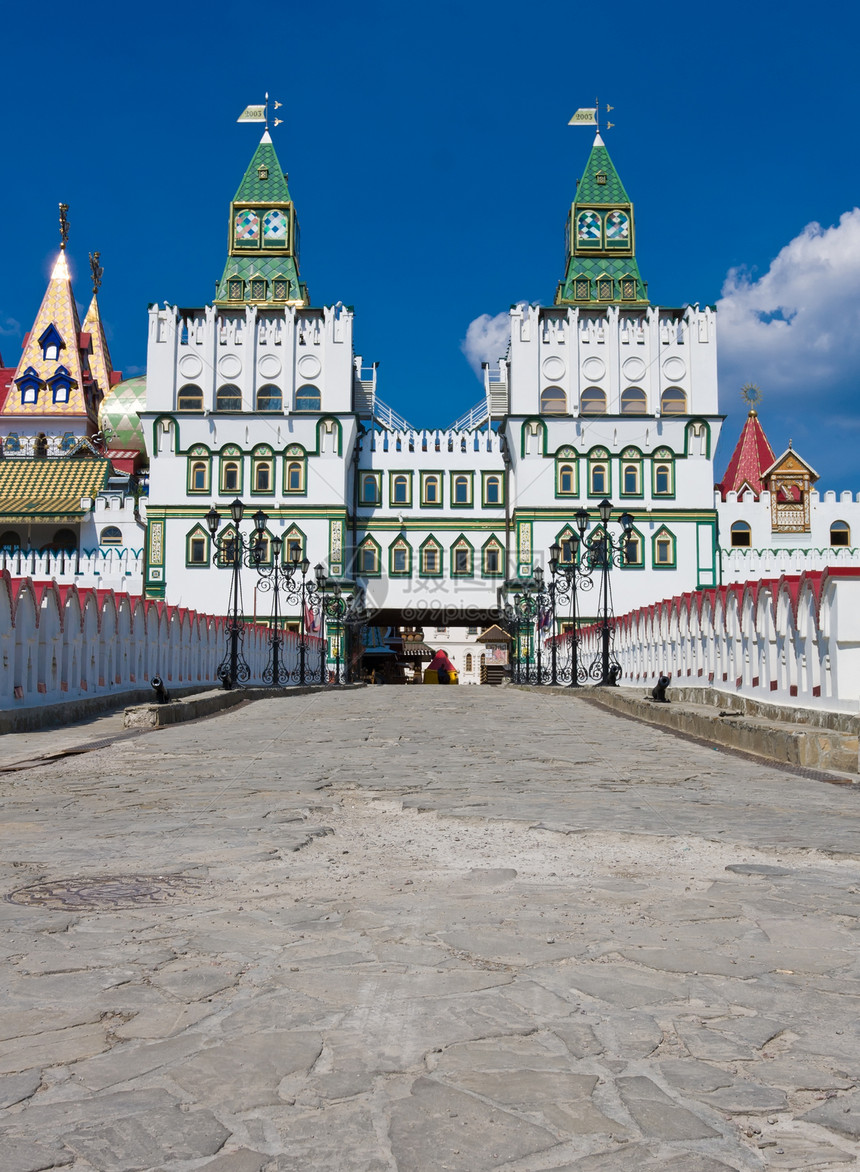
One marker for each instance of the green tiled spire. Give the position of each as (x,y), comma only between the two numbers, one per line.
(601,266)
(263,245)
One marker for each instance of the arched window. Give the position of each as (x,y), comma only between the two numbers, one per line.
(673,401)
(370,488)
(663,550)
(400,490)
(199,479)
(269,398)
(468,661)
(263,476)
(493,490)
(553,401)
(231,476)
(9,539)
(633,551)
(462,490)
(228,398)
(493,555)
(294,547)
(663,473)
(598,473)
(566,480)
(295,476)
(741,535)
(368,557)
(592,402)
(308,398)
(190,398)
(633,401)
(400,557)
(430,490)
(197,547)
(630,479)
(840,533)
(110,535)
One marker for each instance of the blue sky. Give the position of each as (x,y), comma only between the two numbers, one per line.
(432,167)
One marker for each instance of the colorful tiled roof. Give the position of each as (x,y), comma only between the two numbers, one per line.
(752,456)
(605,248)
(49,490)
(274,187)
(101,366)
(58,309)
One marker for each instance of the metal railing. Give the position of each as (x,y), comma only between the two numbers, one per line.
(472,419)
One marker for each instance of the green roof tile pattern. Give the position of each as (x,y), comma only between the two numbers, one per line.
(273,188)
(118,414)
(589,190)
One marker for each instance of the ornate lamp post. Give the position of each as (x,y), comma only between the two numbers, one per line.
(234,550)
(273,579)
(602,553)
(565,580)
(531,603)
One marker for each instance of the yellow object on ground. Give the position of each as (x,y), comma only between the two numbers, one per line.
(432,677)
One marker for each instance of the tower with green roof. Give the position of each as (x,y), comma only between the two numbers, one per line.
(601,266)
(263,246)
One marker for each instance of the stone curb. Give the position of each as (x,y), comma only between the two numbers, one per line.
(830,750)
(210,703)
(64,712)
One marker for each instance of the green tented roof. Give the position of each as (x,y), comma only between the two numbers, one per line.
(253,189)
(589,190)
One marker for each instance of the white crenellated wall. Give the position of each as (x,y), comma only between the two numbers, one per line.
(792,641)
(59,643)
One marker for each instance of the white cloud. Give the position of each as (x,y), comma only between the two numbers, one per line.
(487,339)
(9,327)
(795,330)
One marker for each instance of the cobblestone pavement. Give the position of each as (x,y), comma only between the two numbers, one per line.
(414,929)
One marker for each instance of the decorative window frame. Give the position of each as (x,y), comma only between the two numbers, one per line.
(631,457)
(221,559)
(599,457)
(365,478)
(111,542)
(231,454)
(492,543)
(840,526)
(439,476)
(333,427)
(198,533)
(470,486)
(639,564)
(692,433)
(293,534)
(587,390)
(565,537)
(741,528)
(663,456)
(462,545)
(663,534)
(402,545)
(430,543)
(533,427)
(393,475)
(368,543)
(564,457)
(199,454)
(263,455)
(669,390)
(564,397)
(232,282)
(486,477)
(296,454)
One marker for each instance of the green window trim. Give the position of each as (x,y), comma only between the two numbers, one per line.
(396,547)
(486,478)
(440,482)
(595,462)
(197,549)
(259,464)
(393,478)
(658,562)
(198,462)
(365,480)
(563,463)
(663,465)
(639,563)
(296,456)
(362,570)
(430,544)
(456,480)
(222,560)
(462,558)
(293,535)
(493,545)
(230,459)
(630,464)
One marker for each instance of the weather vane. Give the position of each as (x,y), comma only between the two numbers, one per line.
(751,395)
(97,271)
(590,116)
(64,225)
(260,114)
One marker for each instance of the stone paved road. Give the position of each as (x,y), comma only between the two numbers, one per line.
(411,929)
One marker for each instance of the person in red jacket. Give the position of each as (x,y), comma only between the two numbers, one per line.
(443,667)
